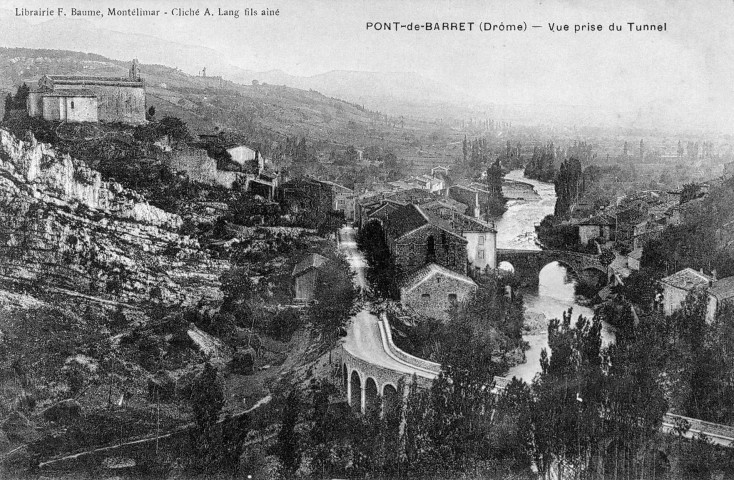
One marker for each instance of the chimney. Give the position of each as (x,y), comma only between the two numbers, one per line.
(713,275)
(476,205)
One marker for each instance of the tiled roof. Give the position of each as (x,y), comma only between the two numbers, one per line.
(446,202)
(89,80)
(404,220)
(457,222)
(723,289)
(428,271)
(61,92)
(630,216)
(313,260)
(687,279)
(337,186)
(599,220)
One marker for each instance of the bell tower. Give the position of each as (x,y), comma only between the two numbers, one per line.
(135,71)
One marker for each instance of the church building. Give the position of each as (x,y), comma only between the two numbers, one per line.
(78,98)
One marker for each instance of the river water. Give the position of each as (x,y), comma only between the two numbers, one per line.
(555,292)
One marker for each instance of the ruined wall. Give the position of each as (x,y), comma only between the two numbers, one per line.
(200,167)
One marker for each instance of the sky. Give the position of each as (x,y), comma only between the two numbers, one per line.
(685,72)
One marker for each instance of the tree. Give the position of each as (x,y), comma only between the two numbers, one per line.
(288,448)
(334,297)
(207,400)
(150,115)
(175,128)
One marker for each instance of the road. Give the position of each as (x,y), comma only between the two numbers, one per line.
(363,339)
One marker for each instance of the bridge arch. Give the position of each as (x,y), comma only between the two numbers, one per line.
(355,390)
(345,377)
(371,396)
(390,399)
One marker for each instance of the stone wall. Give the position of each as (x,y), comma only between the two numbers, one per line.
(411,250)
(199,167)
(432,298)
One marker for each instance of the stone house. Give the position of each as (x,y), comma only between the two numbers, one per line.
(414,240)
(417,196)
(344,199)
(433,290)
(626,222)
(481,237)
(721,291)
(645,231)
(305,274)
(634,258)
(69,98)
(306,195)
(599,226)
(473,196)
(676,288)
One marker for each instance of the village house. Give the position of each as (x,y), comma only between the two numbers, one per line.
(721,291)
(626,222)
(475,197)
(645,231)
(305,274)
(432,184)
(79,98)
(433,290)
(677,286)
(481,237)
(306,196)
(634,258)
(344,200)
(600,226)
(414,240)
(417,196)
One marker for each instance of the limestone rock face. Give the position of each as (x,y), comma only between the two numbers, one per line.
(63,228)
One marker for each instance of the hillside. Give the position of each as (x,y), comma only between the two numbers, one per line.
(264,114)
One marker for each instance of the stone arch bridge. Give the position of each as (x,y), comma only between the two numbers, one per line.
(527,264)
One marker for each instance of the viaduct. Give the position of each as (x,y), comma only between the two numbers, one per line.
(366,379)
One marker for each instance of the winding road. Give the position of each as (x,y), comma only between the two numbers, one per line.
(364,339)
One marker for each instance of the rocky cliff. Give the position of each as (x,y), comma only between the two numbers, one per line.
(63,229)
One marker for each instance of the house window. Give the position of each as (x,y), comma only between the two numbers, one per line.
(452,297)
(481,254)
(72,104)
(426,296)
(481,239)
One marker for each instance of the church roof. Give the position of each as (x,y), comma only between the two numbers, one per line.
(312,260)
(90,80)
(421,275)
(61,92)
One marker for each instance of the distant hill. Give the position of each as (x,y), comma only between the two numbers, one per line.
(264,113)
(400,93)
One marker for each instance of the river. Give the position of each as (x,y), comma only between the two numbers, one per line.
(555,293)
